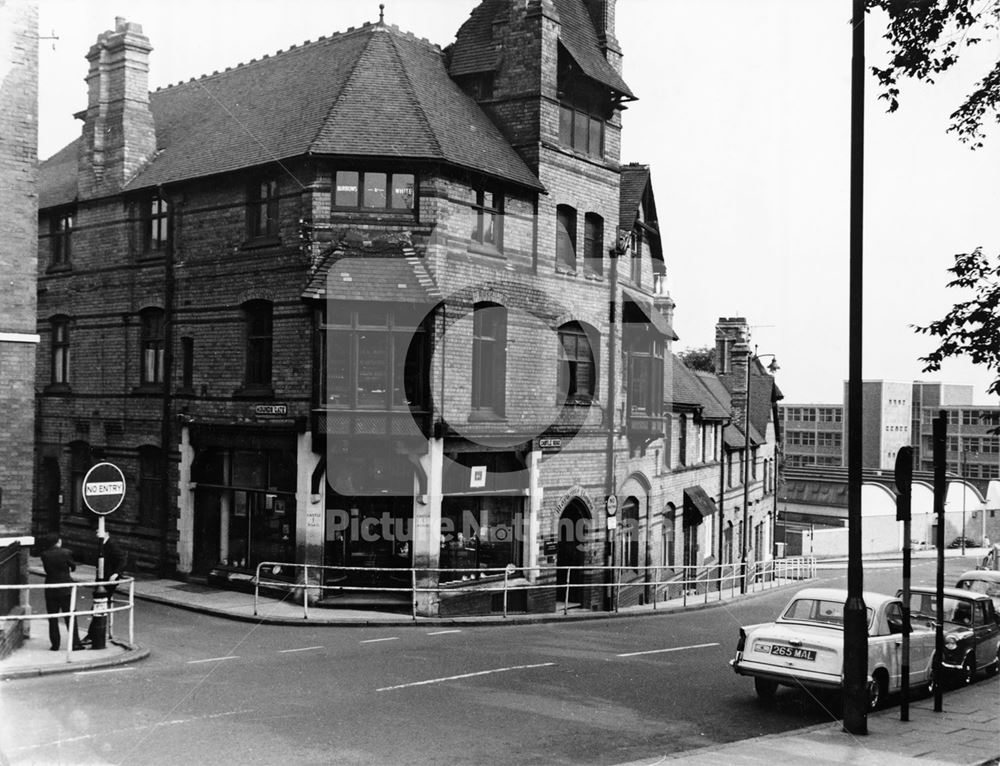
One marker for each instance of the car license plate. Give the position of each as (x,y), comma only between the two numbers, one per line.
(794,653)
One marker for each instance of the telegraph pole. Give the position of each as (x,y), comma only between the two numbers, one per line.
(855,613)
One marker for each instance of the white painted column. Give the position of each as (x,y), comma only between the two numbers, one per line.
(185,505)
(535,496)
(310,509)
(427,526)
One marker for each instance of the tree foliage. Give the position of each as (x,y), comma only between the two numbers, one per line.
(702,359)
(972,327)
(926,38)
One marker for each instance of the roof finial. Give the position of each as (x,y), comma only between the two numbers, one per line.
(381,13)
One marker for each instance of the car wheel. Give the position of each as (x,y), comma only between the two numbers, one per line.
(968,671)
(765,689)
(995,667)
(877,690)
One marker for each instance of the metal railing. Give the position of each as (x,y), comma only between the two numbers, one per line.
(113,605)
(659,584)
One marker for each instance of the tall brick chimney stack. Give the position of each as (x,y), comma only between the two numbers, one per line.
(603,14)
(118,132)
(732,355)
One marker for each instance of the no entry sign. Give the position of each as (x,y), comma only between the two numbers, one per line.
(103,488)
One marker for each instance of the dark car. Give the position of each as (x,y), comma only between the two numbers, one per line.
(971,629)
(982,581)
(957,542)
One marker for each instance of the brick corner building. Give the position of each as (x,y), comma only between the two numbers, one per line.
(408,325)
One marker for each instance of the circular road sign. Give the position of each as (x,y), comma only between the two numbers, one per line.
(103,488)
(612,505)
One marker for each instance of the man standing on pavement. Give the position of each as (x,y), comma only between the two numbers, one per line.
(58,563)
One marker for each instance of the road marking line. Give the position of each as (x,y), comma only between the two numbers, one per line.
(661,651)
(106,670)
(376,640)
(303,649)
(213,659)
(442,632)
(465,675)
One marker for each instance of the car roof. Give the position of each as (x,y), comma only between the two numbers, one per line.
(962,593)
(980,574)
(871,598)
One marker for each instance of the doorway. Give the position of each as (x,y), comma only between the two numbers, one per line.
(573,535)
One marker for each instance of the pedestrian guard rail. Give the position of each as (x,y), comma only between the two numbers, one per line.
(678,585)
(100,607)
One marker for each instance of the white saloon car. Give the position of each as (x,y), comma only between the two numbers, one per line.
(804,647)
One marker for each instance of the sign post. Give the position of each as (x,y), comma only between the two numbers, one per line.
(904,485)
(103,493)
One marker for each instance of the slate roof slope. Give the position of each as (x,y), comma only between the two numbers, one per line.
(474,51)
(57,177)
(577,33)
(634,179)
(373,91)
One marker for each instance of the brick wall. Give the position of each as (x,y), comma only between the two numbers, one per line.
(18,234)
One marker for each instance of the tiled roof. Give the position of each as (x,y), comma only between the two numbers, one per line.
(577,34)
(712,405)
(649,313)
(473,50)
(634,180)
(681,388)
(57,177)
(374,91)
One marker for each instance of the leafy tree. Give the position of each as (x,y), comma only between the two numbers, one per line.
(702,359)
(926,38)
(972,327)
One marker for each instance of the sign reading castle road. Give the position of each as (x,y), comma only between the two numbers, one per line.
(103,488)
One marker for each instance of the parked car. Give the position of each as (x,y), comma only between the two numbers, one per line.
(971,629)
(804,646)
(957,542)
(982,581)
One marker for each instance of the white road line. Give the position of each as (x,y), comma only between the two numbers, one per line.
(661,651)
(303,649)
(106,670)
(465,675)
(376,640)
(213,659)
(442,632)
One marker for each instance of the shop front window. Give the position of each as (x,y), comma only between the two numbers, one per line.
(479,534)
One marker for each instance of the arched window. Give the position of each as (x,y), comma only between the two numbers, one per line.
(630,533)
(257,317)
(577,376)
(489,358)
(151,346)
(566,237)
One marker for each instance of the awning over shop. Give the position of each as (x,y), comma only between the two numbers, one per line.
(697,505)
(636,309)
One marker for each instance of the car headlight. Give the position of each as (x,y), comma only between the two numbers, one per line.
(950,642)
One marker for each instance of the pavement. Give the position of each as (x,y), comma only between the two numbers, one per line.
(966,731)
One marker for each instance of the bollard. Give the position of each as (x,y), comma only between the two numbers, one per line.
(98,630)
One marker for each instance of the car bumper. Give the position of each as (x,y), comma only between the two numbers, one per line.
(799,677)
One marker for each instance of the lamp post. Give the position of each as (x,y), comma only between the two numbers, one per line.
(772,368)
(965,452)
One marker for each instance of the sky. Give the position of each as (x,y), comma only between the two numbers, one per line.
(744,119)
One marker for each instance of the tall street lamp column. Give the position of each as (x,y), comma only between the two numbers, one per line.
(744,538)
